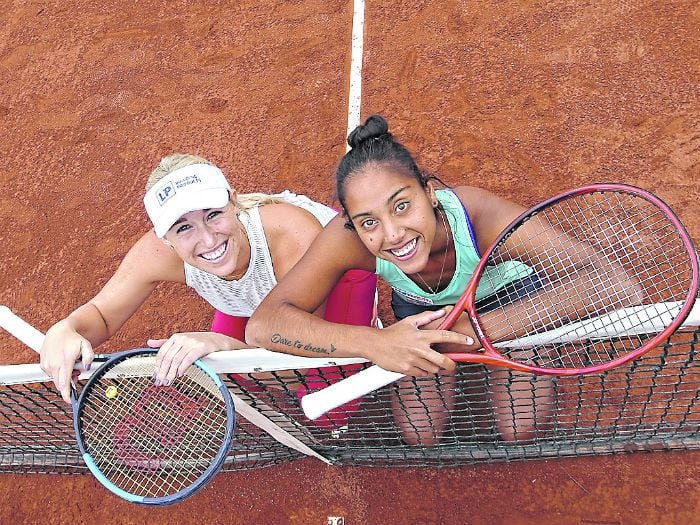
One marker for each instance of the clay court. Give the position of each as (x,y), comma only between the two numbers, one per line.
(525,99)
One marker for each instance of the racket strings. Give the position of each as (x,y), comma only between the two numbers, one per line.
(145,471)
(134,393)
(600,256)
(148,440)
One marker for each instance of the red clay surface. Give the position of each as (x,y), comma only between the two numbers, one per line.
(523,98)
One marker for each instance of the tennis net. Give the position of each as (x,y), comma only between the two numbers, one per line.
(650,404)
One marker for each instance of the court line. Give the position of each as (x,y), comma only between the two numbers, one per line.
(355,94)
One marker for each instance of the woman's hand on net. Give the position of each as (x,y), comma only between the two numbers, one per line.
(62,347)
(177,353)
(407,346)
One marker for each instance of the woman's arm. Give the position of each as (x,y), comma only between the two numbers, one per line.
(96,321)
(284,322)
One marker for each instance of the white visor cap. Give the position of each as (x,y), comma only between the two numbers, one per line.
(194,187)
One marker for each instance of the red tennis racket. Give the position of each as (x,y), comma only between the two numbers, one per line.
(583,282)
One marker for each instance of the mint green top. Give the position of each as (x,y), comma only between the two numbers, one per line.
(494,278)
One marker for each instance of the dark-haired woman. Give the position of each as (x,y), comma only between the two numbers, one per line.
(425,242)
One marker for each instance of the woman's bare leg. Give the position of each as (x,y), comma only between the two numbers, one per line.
(421,408)
(522,404)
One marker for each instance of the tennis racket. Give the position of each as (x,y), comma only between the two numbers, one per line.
(581,283)
(153,445)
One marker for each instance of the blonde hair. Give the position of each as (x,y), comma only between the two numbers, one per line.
(175,161)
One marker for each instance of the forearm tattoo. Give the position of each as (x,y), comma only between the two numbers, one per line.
(279,339)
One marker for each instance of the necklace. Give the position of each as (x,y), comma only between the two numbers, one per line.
(444,259)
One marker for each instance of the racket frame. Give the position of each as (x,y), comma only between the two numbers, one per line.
(492,357)
(78,402)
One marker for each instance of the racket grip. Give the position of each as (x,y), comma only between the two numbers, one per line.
(21,329)
(357,385)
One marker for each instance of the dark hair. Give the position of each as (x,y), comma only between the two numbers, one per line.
(371,142)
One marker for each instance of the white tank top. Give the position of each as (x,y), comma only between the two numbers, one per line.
(242,297)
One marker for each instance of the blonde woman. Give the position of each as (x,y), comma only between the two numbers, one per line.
(230,248)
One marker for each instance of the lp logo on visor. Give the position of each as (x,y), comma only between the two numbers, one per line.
(164,193)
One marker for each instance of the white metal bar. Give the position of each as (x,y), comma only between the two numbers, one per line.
(355,94)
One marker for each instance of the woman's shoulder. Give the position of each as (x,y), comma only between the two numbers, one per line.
(489,213)
(290,233)
(476,197)
(284,217)
(164,263)
(470,193)
(340,245)
(482,202)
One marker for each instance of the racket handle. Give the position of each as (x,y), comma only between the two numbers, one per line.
(21,329)
(357,385)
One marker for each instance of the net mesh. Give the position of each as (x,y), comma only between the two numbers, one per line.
(651,403)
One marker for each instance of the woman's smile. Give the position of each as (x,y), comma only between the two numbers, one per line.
(406,251)
(216,254)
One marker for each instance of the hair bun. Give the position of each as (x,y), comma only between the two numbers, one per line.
(374,127)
